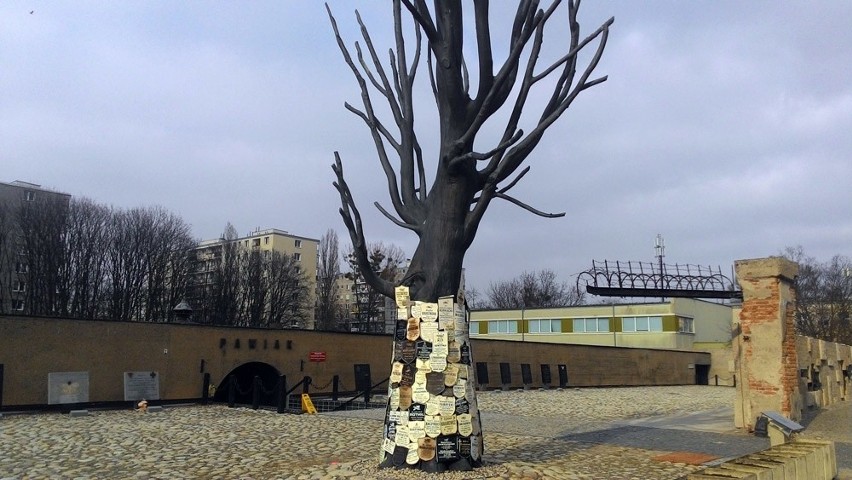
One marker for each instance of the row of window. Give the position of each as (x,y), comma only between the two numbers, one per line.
(587,325)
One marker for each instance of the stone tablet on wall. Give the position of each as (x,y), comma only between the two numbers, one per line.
(67,387)
(141,385)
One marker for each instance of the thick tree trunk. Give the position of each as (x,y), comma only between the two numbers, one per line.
(432,419)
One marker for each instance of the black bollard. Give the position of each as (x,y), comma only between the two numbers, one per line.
(281,391)
(335,387)
(563,376)
(306,384)
(256,385)
(205,389)
(232,390)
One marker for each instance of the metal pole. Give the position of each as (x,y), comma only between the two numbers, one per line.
(232,390)
(205,389)
(255,392)
(282,390)
(335,387)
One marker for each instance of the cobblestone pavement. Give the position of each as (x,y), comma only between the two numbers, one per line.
(533,435)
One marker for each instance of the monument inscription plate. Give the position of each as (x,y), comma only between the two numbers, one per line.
(67,387)
(141,385)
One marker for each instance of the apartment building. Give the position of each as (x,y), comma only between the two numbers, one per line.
(15,269)
(209,254)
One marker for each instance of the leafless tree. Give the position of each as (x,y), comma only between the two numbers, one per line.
(823,296)
(86,269)
(42,223)
(328,308)
(534,290)
(287,292)
(387,263)
(6,258)
(446,216)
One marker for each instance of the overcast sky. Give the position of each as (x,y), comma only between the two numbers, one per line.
(724,126)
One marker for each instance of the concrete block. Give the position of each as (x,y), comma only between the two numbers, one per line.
(79,413)
(155,409)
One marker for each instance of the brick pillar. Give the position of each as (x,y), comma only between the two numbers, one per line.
(765,341)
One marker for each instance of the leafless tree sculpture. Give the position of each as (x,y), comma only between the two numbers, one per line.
(446,216)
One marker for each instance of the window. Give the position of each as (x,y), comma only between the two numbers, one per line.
(17,305)
(266,240)
(21,267)
(298,244)
(503,326)
(685,325)
(29,195)
(297,257)
(545,326)
(591,325)
(20,286)
(474,328)
(642,324)
(255,242)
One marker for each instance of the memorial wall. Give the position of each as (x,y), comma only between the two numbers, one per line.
(47,361)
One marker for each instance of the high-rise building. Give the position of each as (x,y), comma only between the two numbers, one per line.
(212,255)
(23,206)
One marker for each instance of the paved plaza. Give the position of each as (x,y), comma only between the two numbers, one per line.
(593,433)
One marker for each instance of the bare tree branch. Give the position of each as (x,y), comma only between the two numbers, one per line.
(523,205)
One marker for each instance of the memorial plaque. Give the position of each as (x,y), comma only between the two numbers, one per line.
(422,365)
(433,406)
(465,424)
(447,450)
(424,349)
(459,315)
(435,382)
(402,296)
(447,405)
(429,312)
(462,370)
(432,425)
(447,323)
(462,406)
(417,412)
(428,330)
(453,353)
(464,446)
(409,352)
(399,455)
(397,349)
(402,314)
(445,307)
(388,445)
(426,448)
(401,329)
(437,363)
(420,377)
(404,397)
(412,457)
(451,375)
(401,438)
(441,344)
(465,354)
(407,379)
(416,308)
(69,387)
(416,430)
(396,416)
(462,330)
(394,398)
(396,372)
(141,386)
(413,329)
(390,431)
(419,393)
(460,389)
(449,425)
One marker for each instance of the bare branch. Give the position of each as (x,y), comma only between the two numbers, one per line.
(527,207)
(399,223)
(420,14)
(352,219)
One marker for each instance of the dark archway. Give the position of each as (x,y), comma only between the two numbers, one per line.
(244,375)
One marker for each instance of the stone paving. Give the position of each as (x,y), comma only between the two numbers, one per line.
(528,434)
